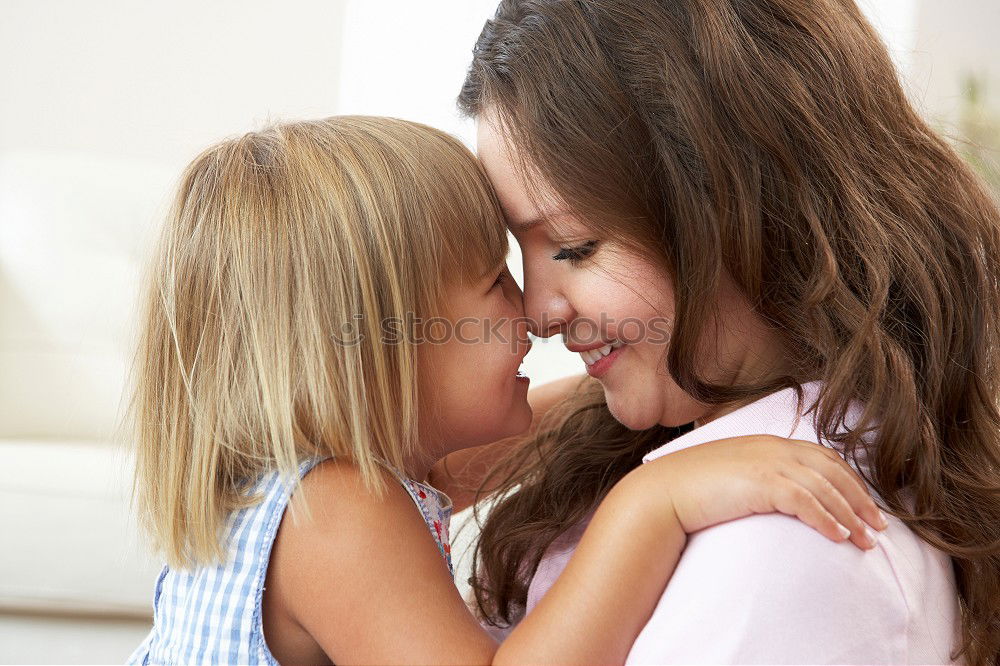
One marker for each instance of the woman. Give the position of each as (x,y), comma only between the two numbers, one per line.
(751,172)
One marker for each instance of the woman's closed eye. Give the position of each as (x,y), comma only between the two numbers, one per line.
(577,253)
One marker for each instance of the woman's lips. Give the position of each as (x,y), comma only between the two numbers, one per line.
(601,366)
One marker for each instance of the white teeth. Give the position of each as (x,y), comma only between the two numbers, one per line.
(592,356)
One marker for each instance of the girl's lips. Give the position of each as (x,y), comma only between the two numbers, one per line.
(601,366)
(520,377)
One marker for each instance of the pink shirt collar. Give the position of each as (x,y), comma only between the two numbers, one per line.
(771,415)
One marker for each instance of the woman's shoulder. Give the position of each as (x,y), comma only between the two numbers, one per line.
(775,541)
(772,573)
(780,557)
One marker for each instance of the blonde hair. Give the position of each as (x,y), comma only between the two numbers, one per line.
(279,245)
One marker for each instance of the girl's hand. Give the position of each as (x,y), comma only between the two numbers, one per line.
(736,477)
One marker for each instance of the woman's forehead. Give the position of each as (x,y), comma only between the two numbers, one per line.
(526,197)
(500,161)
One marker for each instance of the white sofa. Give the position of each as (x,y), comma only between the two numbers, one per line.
(74,233)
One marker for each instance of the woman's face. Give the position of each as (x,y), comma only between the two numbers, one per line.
(597,293)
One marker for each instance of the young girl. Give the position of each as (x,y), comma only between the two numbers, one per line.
(329,315)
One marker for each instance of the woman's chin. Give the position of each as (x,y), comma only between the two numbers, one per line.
(630,414)
(645,408)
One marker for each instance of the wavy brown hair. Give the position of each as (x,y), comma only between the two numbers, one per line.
(768,141)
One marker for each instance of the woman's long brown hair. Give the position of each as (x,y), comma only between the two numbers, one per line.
(768,141)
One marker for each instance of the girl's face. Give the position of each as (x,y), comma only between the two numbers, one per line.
(611,305)
(471,387)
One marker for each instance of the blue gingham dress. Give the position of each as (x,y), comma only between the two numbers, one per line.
(212,614)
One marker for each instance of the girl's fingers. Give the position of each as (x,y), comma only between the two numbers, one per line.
(854,490)
(829,464)
(834,503)
(794,499)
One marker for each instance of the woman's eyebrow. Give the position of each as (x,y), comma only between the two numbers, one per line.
(521,226)
(527,224)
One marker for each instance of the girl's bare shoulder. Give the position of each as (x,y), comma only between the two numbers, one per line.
(334,496)
(352,565)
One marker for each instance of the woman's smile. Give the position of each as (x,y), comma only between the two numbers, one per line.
(598,359)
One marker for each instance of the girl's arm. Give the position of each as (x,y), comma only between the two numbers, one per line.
(364,580)
(460,474)
(596,608)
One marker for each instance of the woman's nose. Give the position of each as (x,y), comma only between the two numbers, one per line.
(547,310)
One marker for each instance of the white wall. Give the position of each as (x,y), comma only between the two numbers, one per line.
(956,38)
(408,59)
(160,80)
(896,21)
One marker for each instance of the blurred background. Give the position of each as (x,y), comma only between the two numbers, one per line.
(103,102)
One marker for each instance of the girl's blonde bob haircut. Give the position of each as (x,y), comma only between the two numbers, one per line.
(262,336)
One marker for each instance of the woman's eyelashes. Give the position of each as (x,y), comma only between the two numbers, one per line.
(577,253)
(501,277)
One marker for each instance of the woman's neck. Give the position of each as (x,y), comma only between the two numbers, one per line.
(762,361)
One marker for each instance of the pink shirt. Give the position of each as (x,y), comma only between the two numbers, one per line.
(770,589)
